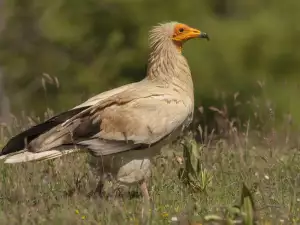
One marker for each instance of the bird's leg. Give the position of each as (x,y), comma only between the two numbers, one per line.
(144,190)
(146,201)
(98,190)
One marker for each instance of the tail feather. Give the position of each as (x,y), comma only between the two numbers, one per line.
(2,157)
(40,156)
(20,141)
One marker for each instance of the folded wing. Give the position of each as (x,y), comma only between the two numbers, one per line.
(126,121)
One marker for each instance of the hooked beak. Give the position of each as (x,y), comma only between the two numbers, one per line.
(204,35)
(194,33)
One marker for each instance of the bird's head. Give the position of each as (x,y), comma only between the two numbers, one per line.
(183,32)
(178,33)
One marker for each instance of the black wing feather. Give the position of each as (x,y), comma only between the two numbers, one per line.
(18,142)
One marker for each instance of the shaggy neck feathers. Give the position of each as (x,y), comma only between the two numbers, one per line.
(166,63)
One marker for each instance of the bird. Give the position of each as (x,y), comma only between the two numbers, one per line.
(122,128)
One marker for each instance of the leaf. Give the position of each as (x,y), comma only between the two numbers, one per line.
(213,218)
(234,211)
(247,206)
(194,174)
(245,195)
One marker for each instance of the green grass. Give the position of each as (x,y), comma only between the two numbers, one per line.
(55,192)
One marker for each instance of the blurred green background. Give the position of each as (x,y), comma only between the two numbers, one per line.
(95,45)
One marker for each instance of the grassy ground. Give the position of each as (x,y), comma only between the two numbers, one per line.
(56,192)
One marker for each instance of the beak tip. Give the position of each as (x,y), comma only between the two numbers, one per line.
(204,35)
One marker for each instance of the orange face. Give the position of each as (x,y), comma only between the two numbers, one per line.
(183,33)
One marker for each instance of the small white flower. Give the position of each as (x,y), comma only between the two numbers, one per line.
(174,219)
(267,177)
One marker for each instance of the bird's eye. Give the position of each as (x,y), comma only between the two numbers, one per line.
(181,30)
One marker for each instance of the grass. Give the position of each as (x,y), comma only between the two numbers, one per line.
(55,192)
(189,181)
